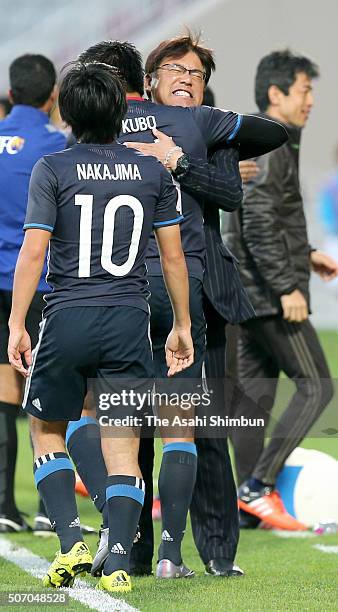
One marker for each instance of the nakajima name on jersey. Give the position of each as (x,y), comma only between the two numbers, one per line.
(113,172)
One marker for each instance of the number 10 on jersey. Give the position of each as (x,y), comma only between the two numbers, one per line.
(85,242)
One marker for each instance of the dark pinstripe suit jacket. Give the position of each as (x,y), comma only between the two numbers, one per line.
(222,283)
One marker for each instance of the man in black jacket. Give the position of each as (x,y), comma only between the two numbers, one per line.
(269,237)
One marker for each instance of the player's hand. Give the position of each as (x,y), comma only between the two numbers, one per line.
(248,170)
(294,307)
(324,265)
(19,344)
(179,350)
(159,149)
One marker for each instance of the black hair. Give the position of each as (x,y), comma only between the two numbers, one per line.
(280,68)
(209,97)
(122,55)
(176,48)
(32,78)
(92,102)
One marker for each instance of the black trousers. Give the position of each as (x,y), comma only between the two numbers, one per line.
(268,346)
(213,511)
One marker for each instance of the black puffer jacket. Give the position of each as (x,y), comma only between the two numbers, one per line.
(268,233)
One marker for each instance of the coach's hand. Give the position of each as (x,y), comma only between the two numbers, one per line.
(324,265)
(248,170)
(19,344)
(294,307)
(164,149)
(179,350)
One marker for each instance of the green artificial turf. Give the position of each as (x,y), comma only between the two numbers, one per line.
(281,574)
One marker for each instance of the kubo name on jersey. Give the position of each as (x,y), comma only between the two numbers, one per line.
(138,124)
(102,172)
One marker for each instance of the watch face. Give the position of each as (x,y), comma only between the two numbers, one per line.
(182,164)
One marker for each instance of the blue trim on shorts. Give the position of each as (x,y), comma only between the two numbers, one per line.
(73,426)
(187,447)
(55,465)
(124,490)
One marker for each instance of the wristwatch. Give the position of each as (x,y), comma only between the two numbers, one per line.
(182,166)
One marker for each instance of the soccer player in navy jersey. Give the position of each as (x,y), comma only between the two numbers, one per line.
(193,130)
(95,205)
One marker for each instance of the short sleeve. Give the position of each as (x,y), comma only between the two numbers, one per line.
(41,209)
(166,207)
(217,125)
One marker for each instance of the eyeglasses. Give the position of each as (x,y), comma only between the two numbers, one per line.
(177,69)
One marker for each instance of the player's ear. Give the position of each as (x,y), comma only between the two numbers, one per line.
(50,104)
(147,85)
(10,96)
(54,94)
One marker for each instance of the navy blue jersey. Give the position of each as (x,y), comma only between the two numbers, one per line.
(195,130)
(101,203)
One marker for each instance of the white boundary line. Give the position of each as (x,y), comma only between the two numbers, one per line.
(327,549)
(283,533)
(36,566)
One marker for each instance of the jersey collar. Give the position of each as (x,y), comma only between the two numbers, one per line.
(29,113)
(135,98)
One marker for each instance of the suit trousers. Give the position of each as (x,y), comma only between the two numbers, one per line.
(268,346)
(213,511)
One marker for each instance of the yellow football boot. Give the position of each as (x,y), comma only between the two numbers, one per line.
(117,582)
(62,572)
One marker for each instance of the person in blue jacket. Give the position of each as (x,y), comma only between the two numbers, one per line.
(328,208)
(25,135)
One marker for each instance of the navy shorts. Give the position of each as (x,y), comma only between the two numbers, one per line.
(33,319)
(161,321)
(172,394)
(87,343)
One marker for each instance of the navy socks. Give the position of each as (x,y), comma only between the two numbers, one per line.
(176,485)
(55,479)
(8,453)
(84,446)
(125,497)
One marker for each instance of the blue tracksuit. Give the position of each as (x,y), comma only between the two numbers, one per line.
(25,136)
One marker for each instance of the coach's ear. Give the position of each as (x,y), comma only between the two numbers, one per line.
(147,85)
